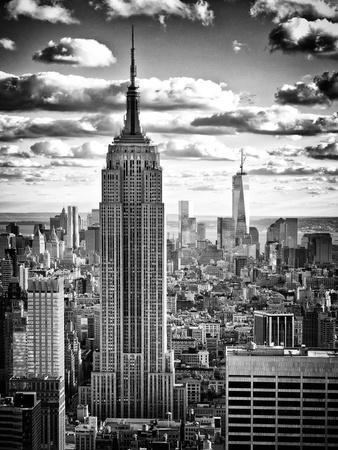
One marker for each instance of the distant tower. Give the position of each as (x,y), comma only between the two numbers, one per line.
(240,201)
(63,219)
(73,237)
(136,372)
(54,241)
(183,222)
(39,243)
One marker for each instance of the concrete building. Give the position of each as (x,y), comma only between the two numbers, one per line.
(45,327)
(272,328)
(281,398)
(20,422)
(136,372)
(85,434)
(51,393)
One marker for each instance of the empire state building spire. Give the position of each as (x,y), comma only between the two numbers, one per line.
(132,129)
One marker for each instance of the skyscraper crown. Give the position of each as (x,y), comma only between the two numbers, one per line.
(132,132)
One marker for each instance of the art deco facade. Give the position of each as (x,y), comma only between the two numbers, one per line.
(135,378)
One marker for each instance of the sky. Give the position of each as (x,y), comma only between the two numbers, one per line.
(215,77)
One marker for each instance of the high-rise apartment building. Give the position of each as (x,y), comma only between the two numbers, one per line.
(240,202)
(45,327)
(136,373)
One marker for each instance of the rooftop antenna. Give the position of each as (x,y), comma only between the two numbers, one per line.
(132,65)
(243,158)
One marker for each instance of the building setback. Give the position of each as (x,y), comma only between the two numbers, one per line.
(136,374)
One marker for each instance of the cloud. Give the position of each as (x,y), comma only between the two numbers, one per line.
(324,150)
(283,10)
(203,187)
(195,150)
(285,152)
(13,151)
(7,44)
(308,26)
(60,149)
(238,46)
(19,127)
(328,84)
(322,90)
(319,38)
(300,94)
(54,91)
(285,169)
(53,12)
(76,52)
(275,120)
(198,11)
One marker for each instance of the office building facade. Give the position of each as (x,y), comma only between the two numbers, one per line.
(281,399)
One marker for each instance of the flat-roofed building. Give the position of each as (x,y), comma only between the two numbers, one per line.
(281,398)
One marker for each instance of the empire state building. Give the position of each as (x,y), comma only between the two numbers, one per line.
(135,379)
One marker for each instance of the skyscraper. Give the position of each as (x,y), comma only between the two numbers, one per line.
(183,226)
(45,327)
(225,233)
(136,375)
(73,239)
(240,201)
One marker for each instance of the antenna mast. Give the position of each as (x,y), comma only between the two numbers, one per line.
(243,158)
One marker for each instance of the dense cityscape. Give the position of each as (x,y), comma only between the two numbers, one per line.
(237,349)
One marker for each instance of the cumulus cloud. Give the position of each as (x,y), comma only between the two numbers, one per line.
(275,120)
(308,26)
(324,150)
(321,90)
(60,149)
(282,10)
(19,127)
(76,52)
(319,38)
(198,11)
(54,91)
(41,10)
(195,150)
(300,93)
(238,46)
(7,44)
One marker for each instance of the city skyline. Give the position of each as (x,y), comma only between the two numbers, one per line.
(210,84)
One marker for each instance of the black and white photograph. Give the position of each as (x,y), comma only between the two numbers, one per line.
(168,224)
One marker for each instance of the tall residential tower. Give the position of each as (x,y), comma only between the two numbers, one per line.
(136,372)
